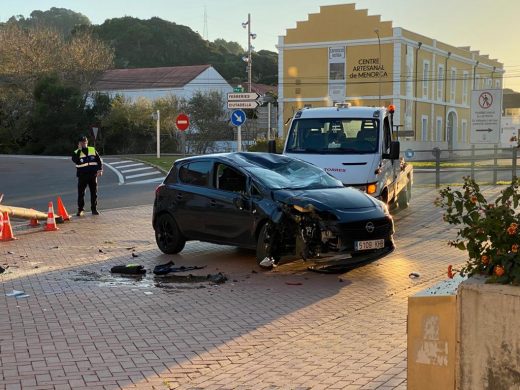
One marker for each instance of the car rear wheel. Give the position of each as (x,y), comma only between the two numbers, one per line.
(168,236)
(264,257)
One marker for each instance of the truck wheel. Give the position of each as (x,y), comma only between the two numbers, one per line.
(168,236)
(405,196)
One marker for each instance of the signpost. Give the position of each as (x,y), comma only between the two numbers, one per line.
(243,100)
(486,112)
(182,122)
(238,118)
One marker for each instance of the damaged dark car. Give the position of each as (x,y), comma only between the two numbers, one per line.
(277,205)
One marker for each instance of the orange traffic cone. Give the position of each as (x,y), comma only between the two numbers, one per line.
(62,211)
(34,222)
(51,221)
(7,230)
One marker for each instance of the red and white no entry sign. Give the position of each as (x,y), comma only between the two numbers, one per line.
(182,122)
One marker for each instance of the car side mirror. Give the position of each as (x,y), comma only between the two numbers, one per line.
(395,149)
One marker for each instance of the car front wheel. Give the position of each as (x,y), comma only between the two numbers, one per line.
(264,248)
(168,236)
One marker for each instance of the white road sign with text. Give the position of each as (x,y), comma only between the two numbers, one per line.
(486,112)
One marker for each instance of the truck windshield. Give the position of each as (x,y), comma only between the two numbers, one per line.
(334,136)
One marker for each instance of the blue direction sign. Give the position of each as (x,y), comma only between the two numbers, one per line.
(238,118)
(409,153)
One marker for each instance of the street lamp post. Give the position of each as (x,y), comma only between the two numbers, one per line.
(379,71)
(249,58)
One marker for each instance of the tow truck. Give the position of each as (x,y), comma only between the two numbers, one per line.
(357,146)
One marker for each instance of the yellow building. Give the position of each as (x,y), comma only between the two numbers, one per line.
(344,54)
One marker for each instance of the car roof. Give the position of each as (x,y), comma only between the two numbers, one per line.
(339,112)
(241,159)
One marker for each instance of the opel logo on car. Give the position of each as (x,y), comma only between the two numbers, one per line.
(370,227)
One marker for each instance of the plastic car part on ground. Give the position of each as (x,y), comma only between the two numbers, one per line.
(129,269)
(164,269)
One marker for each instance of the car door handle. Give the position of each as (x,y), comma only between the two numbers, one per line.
(213,203)
(179,196)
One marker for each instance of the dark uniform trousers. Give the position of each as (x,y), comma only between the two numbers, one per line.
(87,179)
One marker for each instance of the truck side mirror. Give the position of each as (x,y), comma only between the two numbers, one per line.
(395,149)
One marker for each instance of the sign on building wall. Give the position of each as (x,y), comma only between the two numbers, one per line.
(486,112)
(337,62)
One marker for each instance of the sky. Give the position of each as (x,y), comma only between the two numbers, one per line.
(488,26)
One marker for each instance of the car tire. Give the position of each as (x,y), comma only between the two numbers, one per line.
(168,236)
(263,247)
(405,196)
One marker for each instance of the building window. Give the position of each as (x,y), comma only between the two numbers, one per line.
(465,88)
(489,83)
(477,82)
(438,130)
(440,82)
(464,134)
(424,128)
(426,78)
(337,71)
(497,84)
(453,85)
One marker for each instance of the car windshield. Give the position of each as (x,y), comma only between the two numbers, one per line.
(293,174)
(334,136)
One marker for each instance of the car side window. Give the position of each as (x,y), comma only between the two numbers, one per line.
(229,179)
(195,173)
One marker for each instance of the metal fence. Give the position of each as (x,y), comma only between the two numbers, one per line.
(484,165)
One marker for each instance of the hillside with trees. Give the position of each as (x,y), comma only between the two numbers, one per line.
(50,60)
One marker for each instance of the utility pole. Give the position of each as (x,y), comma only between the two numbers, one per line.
(249,58)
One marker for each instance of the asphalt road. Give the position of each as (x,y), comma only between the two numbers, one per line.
(33,181)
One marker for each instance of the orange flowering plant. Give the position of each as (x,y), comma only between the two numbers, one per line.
(489,231)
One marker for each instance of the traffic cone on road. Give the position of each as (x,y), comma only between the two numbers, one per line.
(62,211)
(7,230)
(51,220)
(34,222)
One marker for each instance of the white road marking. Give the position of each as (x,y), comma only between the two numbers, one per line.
(122,162)
(142,174)
(130,165)
(137,169)
(119,176)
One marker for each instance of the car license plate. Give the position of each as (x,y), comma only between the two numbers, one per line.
(367,245)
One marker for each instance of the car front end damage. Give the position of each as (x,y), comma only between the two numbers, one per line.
(313,233)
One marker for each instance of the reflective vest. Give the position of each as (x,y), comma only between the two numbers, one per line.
(87,162)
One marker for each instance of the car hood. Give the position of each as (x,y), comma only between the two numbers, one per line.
(342,198)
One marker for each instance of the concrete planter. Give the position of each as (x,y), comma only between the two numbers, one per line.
(489,336)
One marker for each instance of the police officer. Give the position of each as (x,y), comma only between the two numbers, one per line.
(88,167)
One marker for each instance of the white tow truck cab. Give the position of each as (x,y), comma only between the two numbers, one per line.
(355,145)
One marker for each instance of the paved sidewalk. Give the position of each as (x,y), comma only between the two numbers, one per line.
(82,328)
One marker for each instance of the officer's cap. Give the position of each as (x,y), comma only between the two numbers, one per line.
(83,138)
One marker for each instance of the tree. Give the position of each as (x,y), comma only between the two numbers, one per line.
(29,56)
(60,19)
(230,46)
(209,124)
(58,117)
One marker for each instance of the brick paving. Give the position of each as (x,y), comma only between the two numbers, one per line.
(81,328)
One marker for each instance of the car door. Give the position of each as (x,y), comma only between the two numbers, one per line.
(230,218)
(192,196)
